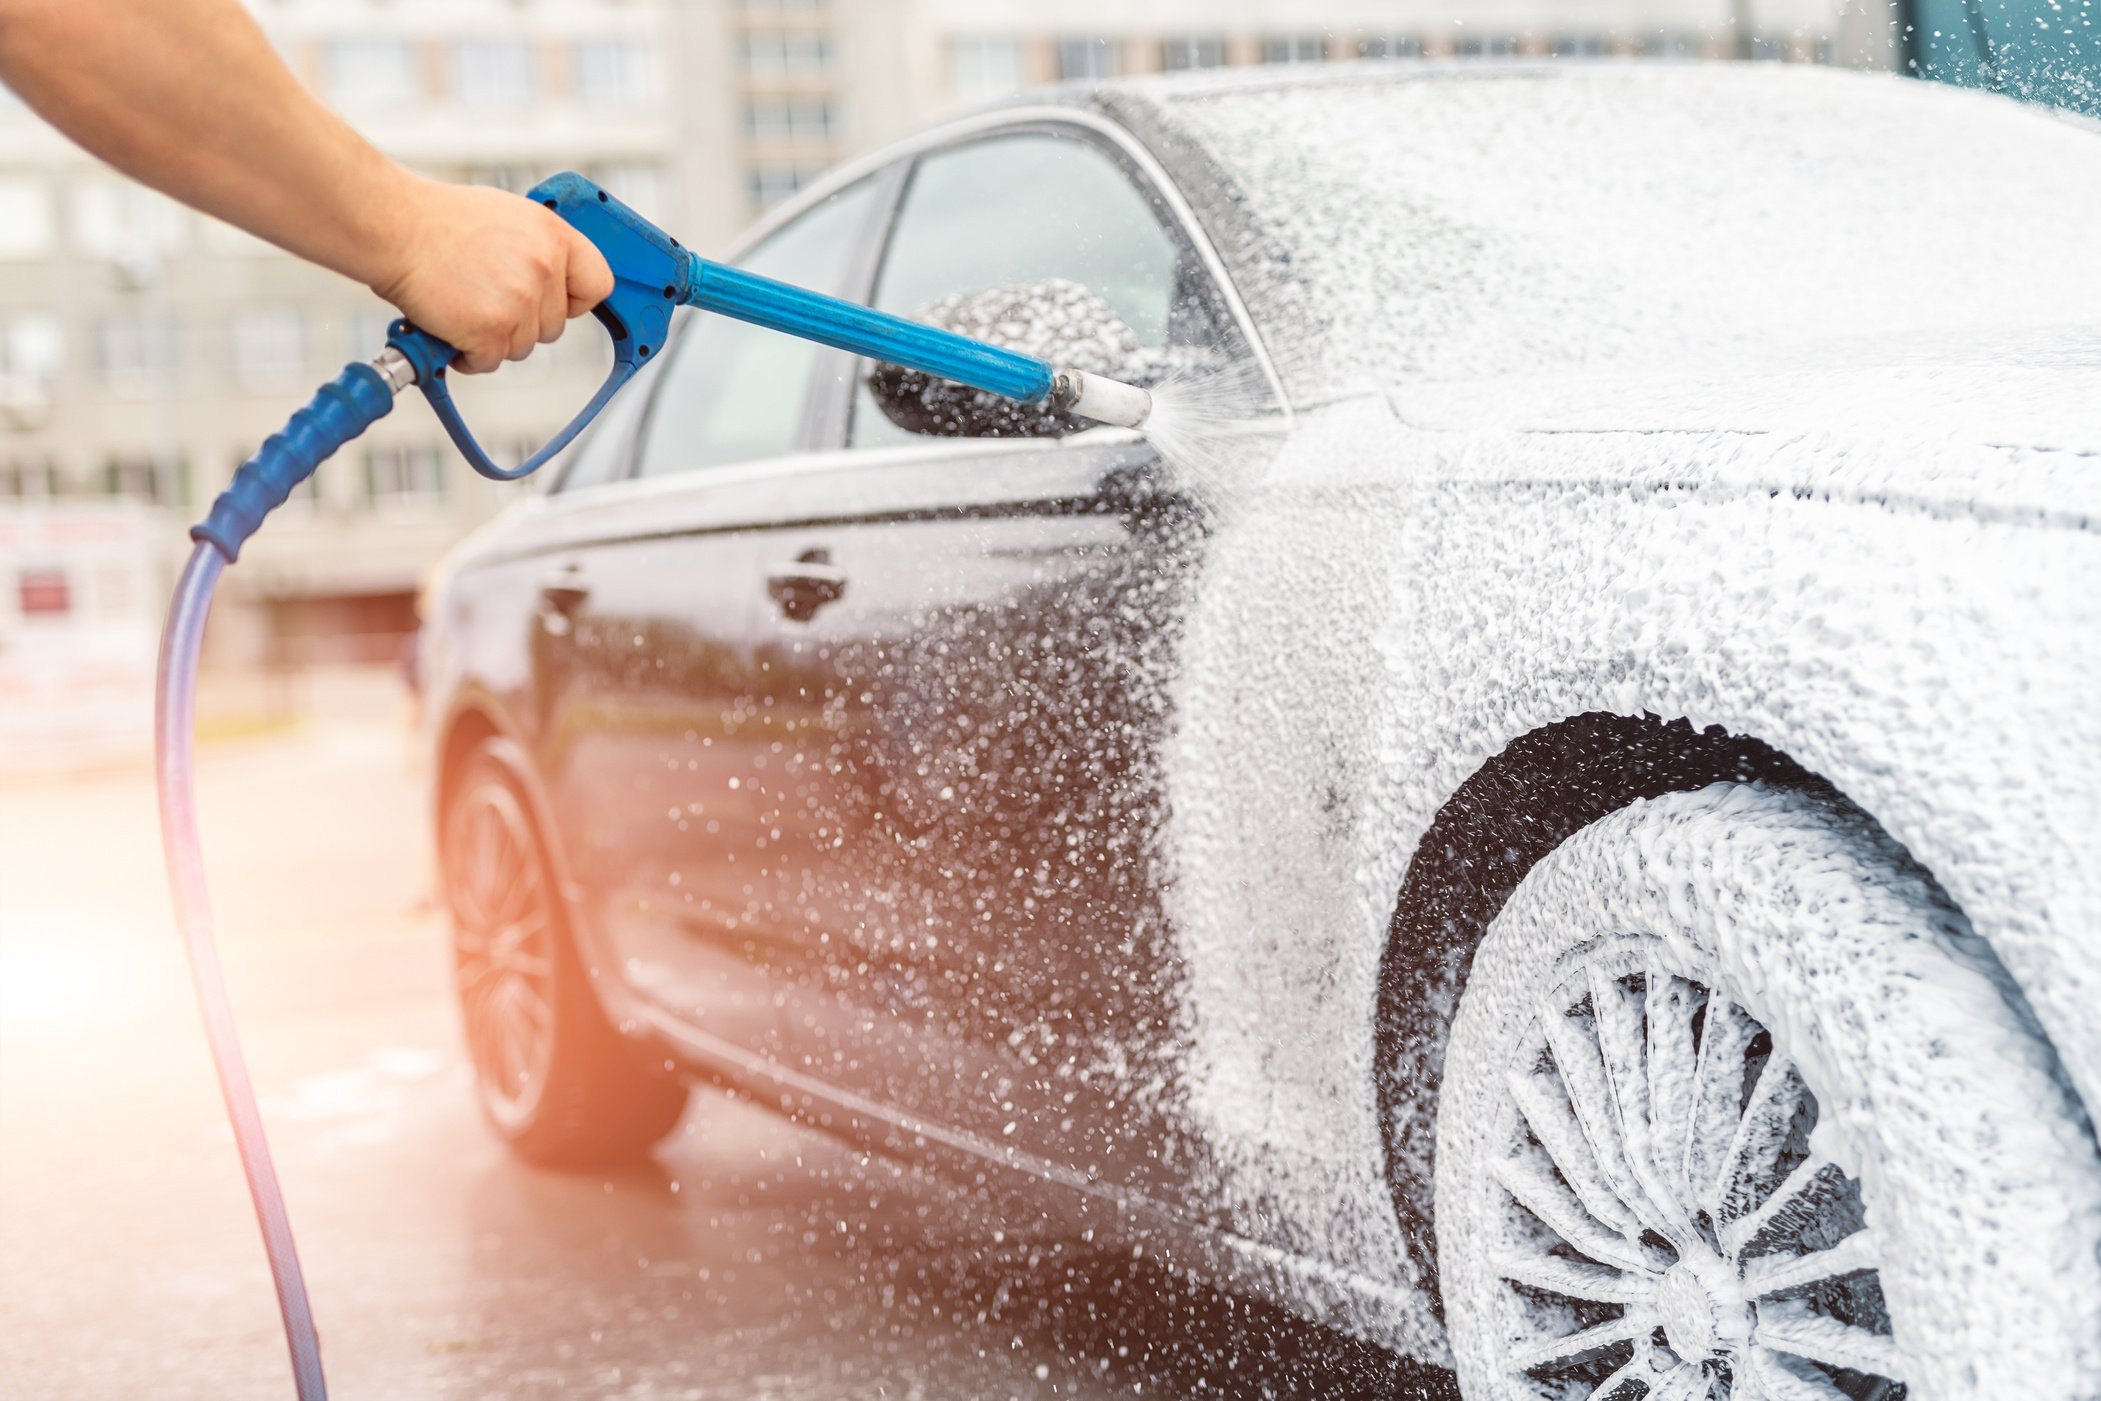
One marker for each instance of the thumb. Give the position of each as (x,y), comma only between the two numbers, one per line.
(590,280)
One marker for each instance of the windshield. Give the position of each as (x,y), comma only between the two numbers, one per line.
(1449,226)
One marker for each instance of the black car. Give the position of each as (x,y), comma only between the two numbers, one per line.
(1546,816)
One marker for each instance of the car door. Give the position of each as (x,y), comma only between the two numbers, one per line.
(964,652)
(643,665)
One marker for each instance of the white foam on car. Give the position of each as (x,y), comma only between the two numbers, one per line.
(1909,612)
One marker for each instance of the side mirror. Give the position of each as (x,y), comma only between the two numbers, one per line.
(1058,320)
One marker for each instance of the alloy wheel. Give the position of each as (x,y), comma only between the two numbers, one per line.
(1672,1228)
(503,948)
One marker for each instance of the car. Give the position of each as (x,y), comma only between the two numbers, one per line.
(1544,815)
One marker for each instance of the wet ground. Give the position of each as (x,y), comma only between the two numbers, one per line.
(753,1261)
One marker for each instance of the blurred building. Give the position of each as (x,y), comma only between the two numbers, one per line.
(145,351)
(800,83)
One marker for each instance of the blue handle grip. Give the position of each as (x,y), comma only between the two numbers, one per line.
(650,276)
(340,410)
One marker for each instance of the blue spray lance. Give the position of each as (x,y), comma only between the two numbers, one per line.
(653,276)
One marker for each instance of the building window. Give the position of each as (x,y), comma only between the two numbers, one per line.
(135,354)
(980,70)
(636,184)
(1389,46)
(1485,45)
(369,72)
(1294,48)
(269,349)
(1579,45)
(1768,48)
(801,120)
(614,73)
(27,226)
(1665,45)
(770,182)
(44,593)
(774,54)
(1192,52)
(404,474)
(116,219)
(1089,58)
(136,479)
(32,348)
(28,481)
(492,73)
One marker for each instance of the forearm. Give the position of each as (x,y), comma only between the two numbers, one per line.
(189,97)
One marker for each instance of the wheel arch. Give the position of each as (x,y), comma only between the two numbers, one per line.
(1527,799)
(465,730)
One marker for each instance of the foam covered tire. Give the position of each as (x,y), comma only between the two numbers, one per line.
(1735,1106)
(554,1078)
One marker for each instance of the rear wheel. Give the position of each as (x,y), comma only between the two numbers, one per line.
(1735,1107)
(559,1084)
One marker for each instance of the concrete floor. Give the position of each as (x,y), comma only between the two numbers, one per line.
(753,1261)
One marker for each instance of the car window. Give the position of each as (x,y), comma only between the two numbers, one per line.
(733,392)
(1024,208)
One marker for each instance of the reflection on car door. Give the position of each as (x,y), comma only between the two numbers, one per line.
(644,666)
(963,656)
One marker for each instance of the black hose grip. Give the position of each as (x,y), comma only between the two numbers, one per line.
(340,410)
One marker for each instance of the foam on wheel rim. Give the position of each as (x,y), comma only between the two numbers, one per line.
(1736,1107)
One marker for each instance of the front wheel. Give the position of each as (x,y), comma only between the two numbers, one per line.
(561,1086)
(1736,1107)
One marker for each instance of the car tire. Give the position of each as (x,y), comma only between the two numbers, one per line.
(1735,1106)
(557,1082)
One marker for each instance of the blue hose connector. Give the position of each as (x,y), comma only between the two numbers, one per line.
(342,409)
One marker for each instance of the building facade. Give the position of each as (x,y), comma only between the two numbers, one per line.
(146,350)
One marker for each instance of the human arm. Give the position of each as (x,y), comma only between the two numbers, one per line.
(187,96)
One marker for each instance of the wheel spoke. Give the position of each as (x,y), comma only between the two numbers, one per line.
(474,973)
(1640,1368)
(1617,1015)
(1771,1274)
(532,965)
(1725,1036)
(1575,1346)
(1575,1279)
(1538,1191)
(1582,1067)
(1672,1060)
(488,841)
(532,1007)
(1760,1137)
(1792,1327)
(1780,1379)
(1806,1184)
(1541,1100)
(1685,1382)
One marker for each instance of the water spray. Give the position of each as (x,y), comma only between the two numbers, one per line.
(653,276)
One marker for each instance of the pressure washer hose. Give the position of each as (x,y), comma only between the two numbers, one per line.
(174,710)
(342,409)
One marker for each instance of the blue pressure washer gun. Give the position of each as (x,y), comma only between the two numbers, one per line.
(653,276)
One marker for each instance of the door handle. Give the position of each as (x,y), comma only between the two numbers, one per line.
(561,595)
(806,584)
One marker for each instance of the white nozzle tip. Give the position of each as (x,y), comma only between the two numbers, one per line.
(1103,399)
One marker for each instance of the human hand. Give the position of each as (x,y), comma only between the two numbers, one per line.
(488,272)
